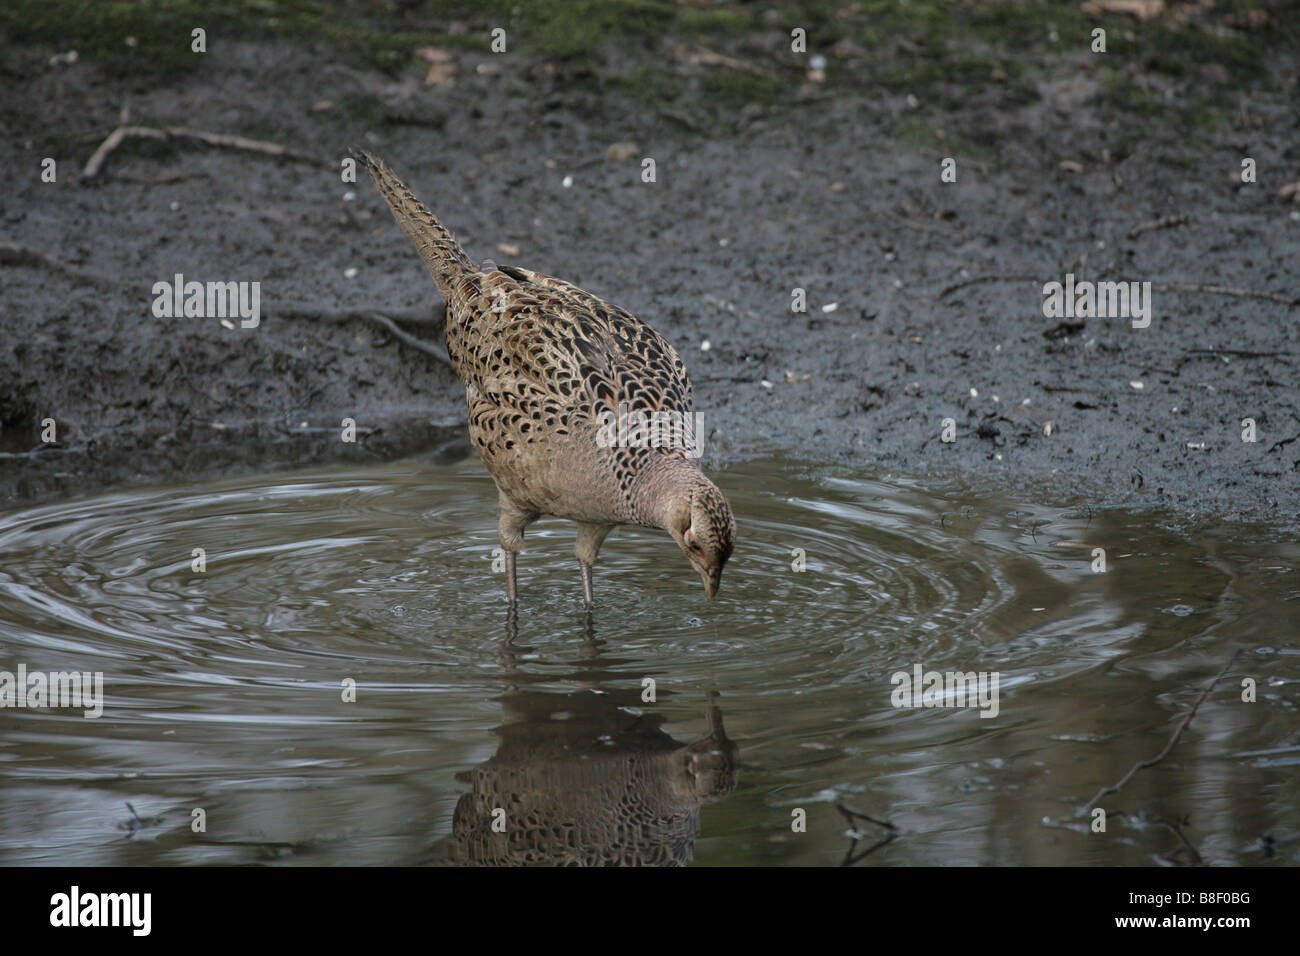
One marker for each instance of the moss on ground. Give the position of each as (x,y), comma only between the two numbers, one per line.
(923,47)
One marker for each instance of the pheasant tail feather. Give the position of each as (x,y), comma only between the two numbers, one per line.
(441,253)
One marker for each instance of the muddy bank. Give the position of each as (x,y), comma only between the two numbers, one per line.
(833,188)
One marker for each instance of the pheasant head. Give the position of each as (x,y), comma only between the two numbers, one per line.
(703,526)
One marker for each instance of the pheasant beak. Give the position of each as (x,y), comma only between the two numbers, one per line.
(712,577)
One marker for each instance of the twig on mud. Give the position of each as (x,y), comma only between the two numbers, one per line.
(1178,732)
(122,133)
(704,57)
(682,118)
(299,310)
(414,317)
(16,254)
(999,277)
(1226,290)
(1239,353)
(427,347)
(1164,222)
(1283,443)
(925,225)
(1162,287)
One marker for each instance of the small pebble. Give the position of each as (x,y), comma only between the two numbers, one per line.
(617,152)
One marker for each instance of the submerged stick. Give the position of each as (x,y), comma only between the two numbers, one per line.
(1178,732)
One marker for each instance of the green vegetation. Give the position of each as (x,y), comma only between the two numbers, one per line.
(925,47)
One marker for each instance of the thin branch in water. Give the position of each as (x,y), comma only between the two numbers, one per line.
(851,815)
(1176,827)
(1173,740)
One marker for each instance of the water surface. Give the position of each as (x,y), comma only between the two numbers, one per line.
(225,689)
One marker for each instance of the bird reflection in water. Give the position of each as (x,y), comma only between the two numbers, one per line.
(587,777)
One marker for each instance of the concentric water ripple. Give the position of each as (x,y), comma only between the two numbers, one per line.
(226,687)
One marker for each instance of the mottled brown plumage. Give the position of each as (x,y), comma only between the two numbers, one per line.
(542,360)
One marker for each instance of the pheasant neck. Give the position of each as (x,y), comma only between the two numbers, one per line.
(664,488)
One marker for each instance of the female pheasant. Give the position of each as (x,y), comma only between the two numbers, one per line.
(547,368)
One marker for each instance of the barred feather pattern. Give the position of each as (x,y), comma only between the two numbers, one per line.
(541,360)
